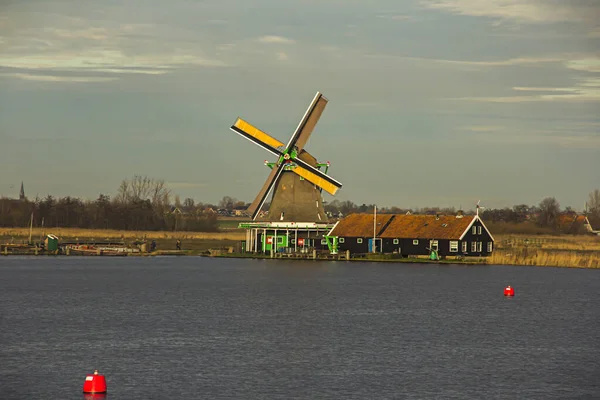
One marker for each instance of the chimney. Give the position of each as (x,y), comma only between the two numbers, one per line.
(459,214)
(437,216)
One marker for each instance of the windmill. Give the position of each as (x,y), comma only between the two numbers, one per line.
(295,179)
(478,207)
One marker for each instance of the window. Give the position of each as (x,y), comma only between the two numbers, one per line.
(464,246)
(454,246)
(474,230)
(479,230)
(473,247)
(293,241)
(489,245)
(396,241)
(341,240)
(359,240)
(415,242)
(323,241)
(479,246)
(433,244)
(280,240)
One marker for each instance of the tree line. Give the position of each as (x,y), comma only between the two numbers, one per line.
(141,203)
(144,203)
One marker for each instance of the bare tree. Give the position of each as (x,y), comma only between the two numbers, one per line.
(593,203)
(549,212)
(227,202)
(159,194)
(141,187)
(188,204)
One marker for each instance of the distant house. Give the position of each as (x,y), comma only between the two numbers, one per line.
(571,223)
(592,225)
(413,235)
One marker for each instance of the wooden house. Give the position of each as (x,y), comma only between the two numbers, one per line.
(413,235)
(592,225)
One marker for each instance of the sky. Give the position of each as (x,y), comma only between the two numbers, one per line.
(431,102)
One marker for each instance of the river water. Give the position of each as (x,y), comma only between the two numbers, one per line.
(193,327)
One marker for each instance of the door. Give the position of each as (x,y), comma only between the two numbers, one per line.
(377,245)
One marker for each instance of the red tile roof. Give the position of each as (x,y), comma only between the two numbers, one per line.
(404,226)
(360,225)
(427,227)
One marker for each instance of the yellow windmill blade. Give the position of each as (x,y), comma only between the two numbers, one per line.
(323,183)
(257,136)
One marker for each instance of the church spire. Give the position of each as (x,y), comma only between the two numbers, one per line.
(22,192)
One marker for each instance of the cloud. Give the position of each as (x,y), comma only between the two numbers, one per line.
(580,12)
(281,56)
(520,61)
(535,11)
(275,39)
(543,89)
(584,91)
(50,78)
(587,64)
(80,47)
(560,137)
(482,128)
(397,17)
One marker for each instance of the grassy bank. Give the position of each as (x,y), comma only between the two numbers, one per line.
(101,234)
(580,251)
(192,242)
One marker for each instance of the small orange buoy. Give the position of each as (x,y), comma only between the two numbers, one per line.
(509,291)
(94,383)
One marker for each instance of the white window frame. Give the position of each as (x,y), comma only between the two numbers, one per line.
(479,230)
(396,241)
(490,246)
(341,240)
(474,230)
(359,240)
(293,241)
(454,246)
(479,246)
(464,246)
(323,241)
(434,245)
(415,242)
(473,247)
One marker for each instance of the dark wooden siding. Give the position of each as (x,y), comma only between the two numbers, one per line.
(477,237)
(350,243)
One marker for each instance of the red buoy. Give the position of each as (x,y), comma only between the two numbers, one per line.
(509,291)
(94,383)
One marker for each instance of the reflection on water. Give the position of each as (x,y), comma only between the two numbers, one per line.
(95,396)
(187,328)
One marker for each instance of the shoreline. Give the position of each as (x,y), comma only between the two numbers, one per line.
(564,251)
(184,253)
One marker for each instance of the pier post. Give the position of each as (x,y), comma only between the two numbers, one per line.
(68,251)
(314,254)
(347,254)
(36,250)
